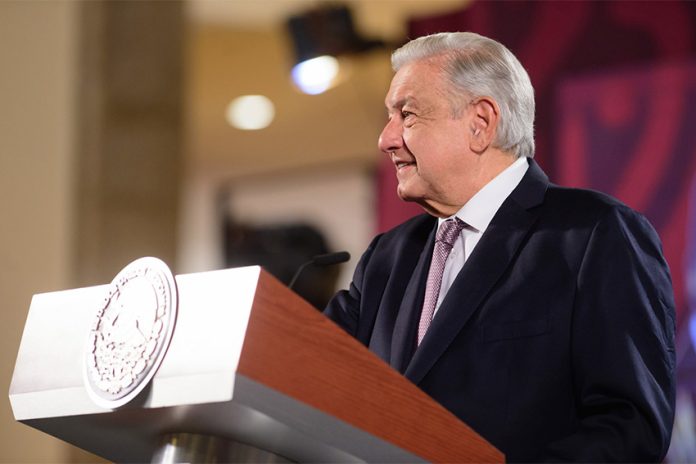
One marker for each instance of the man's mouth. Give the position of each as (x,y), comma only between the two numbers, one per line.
(400,164)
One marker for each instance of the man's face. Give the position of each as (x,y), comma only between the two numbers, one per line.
(428,145)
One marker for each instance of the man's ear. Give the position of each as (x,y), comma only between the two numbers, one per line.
(484,123)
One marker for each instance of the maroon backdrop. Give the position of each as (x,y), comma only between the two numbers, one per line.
(631,134)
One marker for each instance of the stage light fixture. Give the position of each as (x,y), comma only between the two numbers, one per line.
(319,37)
(316,75)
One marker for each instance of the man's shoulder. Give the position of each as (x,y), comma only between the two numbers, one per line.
(584,201)
(535,190)
(585,207)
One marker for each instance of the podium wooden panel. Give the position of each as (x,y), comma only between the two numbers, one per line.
(249,360)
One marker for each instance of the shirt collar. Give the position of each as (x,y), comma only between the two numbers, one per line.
(478,212)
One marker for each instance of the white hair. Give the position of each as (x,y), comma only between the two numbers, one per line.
(478,66)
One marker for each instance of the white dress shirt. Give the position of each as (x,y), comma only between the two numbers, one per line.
(477,213)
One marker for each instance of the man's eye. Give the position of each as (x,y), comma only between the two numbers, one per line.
(406,114)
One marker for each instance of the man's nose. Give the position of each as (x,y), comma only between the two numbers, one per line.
(391,137)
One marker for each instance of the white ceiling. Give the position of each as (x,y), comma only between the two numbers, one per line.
(252,13)
(378,18)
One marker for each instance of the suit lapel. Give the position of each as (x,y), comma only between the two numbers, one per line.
(404,334)
(489,260)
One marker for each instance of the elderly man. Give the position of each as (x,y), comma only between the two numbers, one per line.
(541,316)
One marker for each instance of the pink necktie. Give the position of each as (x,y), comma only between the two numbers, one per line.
(446,235)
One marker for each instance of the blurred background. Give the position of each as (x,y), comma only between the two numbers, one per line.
(185,130)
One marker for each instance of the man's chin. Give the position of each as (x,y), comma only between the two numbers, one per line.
(430,207)
(405,194)
(411,197)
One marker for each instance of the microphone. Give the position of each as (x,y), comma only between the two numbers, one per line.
(328,259)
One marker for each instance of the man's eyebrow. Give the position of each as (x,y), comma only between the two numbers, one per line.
(400,103)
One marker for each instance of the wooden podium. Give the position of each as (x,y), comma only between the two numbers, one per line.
(249,361)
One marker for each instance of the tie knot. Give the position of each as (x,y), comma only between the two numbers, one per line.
(449,231)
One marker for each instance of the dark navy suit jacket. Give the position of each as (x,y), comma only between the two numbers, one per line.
(555,341)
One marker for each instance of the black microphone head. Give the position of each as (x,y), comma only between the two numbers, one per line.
(331,258)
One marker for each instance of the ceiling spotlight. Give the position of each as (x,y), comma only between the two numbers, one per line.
(250,112)
(318,36)
(315,75)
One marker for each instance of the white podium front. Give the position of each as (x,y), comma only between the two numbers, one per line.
(248,361)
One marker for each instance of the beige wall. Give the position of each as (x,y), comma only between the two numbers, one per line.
(37,52)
